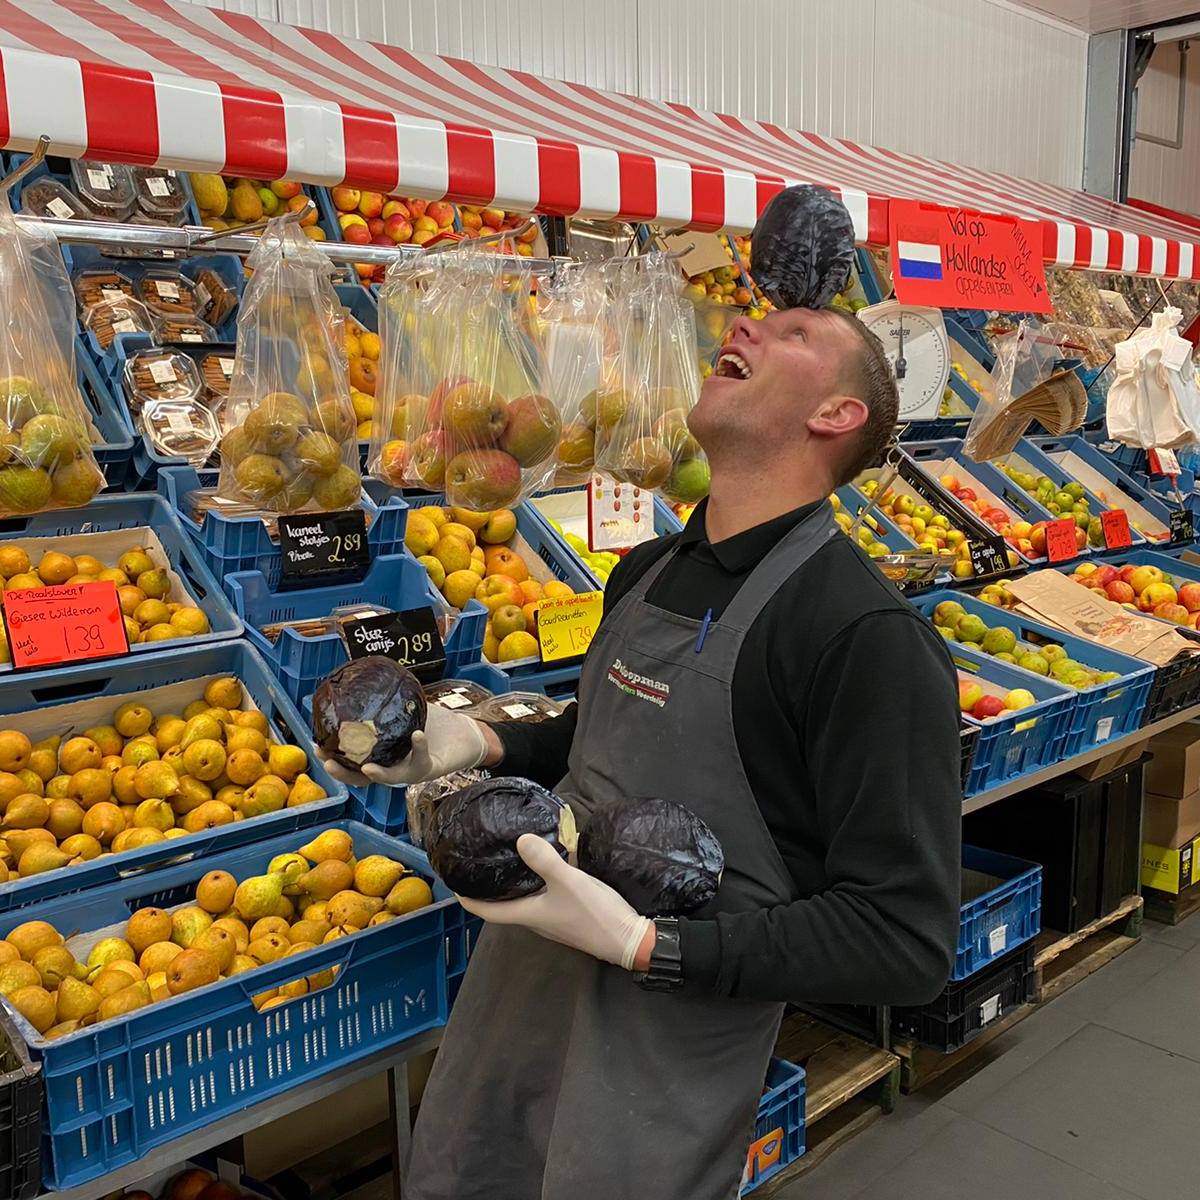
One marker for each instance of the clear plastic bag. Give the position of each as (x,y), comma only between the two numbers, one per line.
(651,383)
(464,368)
(46,436)
(288,441)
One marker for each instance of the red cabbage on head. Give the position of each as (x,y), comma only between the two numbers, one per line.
(803,247)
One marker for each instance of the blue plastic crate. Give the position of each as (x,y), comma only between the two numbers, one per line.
(117,1089)
(980,358)
(395,581)
(384,807)
(1031,738)
(1000,918)
(108,514)
(114,451)
(1123,489)
(45,702)
(779,1126)
(1103,711)
(242,543)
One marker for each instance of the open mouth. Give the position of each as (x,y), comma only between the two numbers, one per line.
(731,365)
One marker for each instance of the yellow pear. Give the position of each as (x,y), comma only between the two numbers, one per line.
(333,843)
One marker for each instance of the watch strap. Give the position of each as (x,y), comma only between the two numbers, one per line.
(665,972)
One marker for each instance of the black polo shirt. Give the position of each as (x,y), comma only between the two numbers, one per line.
(845,712)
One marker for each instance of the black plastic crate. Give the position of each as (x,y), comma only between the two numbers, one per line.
(968,736)
(1176,686)
(965,1009)
(1084,832)
(20,1116)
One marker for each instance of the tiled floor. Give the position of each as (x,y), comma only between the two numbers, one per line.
(1095,1097)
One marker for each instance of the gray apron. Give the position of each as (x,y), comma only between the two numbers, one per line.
(559,1078)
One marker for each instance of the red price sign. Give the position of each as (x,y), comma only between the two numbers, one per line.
(1115,523)
(59,624)
(1060,540)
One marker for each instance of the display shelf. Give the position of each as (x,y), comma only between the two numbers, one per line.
(1065,765)
(170,1154)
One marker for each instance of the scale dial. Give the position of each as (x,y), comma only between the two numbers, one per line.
(926,353)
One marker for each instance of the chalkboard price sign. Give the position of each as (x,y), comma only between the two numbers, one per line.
(411,638)
(323,546)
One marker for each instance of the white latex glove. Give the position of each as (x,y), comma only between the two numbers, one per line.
(450,742)
(574,909)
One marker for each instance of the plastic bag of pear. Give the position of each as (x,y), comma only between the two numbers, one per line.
(46,436)
(288,431)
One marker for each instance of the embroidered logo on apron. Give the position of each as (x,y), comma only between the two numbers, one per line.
(641,687)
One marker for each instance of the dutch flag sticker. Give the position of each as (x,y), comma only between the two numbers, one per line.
(918,257)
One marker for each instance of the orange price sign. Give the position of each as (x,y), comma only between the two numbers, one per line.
(567,625)
(1060,540)
(51,625)
(1115,523)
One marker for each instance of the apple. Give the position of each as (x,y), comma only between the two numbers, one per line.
(345,199)
(358,235)
(442,212)
(969,694)
(1119,592)
(1019,698)
(1037,538)
(1154,594)
(416,207)
(422,237)
(370,204)
(476,416)
(382,240)
(394,208)
(1104,574)
(285,189)
(428,460)
(425,224)
(1168,610)
(483,480)
(967,494)
(532,429)
(398,227)
(299,203)
(498,590)
(472,222)
(345,220)
(493,217)
(1086,569)
(1189,596)
(987,706)
(375,225)
(1140,578)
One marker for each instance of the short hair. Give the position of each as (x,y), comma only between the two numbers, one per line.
(868,376)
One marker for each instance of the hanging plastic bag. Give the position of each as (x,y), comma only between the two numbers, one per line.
(46,435)
(289,440)
(477,421)
(1154,401)
(651,383)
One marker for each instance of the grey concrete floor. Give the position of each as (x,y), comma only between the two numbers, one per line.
(1094,1097)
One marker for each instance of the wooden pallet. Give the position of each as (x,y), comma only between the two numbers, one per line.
(849,1084)
(1061,961)
(1170,910)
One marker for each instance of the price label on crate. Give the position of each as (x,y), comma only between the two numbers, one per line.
(411,638)
(1060,540)
(567,625)
(323,547)
(1115,523)
(1182,527)
(619,515)
(67,623)
(988,555)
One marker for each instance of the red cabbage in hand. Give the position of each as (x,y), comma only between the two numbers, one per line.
(367,712)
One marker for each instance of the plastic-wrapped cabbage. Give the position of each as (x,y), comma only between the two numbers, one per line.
(367,712)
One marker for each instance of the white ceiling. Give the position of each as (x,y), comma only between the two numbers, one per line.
(1098,15)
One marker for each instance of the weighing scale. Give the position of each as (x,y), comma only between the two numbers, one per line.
(915,342)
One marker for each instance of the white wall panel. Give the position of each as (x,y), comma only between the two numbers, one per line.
(972,81)
(1161,174)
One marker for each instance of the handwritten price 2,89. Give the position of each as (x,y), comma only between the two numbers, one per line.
(345,544)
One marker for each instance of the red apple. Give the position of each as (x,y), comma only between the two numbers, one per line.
(345,199)
(1124,573)
(966,493)
(370,204)
(382,240)
(393,206)
(1169,611)
(987,706)
(398,228)
(493,217)
(442,212)
(366,271)
(416,207)
(375,225)
(1080,538)
(356,235)
(1037,538)
(1119,591)
(471,220)
(188,1185)
(1189,596)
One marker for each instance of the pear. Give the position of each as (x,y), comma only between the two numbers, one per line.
(308,931)
(243,963)
(190,970)
(76,1000)
(349,908)
(60,1030)
(16,975)
(147,926)
(26,812)
(290,866)
(19,840)
(381,918)
(268,925)
(333,843)
(258,896)
(107,981)
(158,987)
(267,949)
(316,910)
(109,950)
(40,857)
(8,953)
(188,923)
(411,893)
(54,964)
(305,791)
(157,957)
(82,845)
(237,927)
(30,937)
(376,875)
(219,944)
(215,892)
(326,879)
(127,1000)
(35,1004)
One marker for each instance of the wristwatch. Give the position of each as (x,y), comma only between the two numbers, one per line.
(665,973)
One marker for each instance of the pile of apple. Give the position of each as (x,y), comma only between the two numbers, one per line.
(226,202)
(983,706)
(720,285)
(1143,589)
(1065,501)
(1027,538)
(192,1184)
(468,557)
(599,562)
(373,219)
(866,531)
(955,624)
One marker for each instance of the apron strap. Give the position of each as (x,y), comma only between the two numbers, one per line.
(639,589)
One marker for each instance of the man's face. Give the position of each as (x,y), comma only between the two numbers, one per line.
(775,381)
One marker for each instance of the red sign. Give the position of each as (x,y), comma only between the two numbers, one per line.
(1115,523)
(60,624)
(956,258)
(1060,540)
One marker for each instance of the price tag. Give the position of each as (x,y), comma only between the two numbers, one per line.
(64,624)
(166,289)
(1060,540)
(997,939)
(517,711)
(989,1010)
(453,699)
(178,422)
(326,546)
(566,626)
(156,185)
(1182,527)
(619,514)
(1164,462)
(987,556)
(226,367)
(101,180)
(1115,523)
(111,293)
(410,638)
(161,371)
(128,326)
(190,337)
(60,208)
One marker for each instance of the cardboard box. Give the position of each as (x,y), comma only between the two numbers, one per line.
(1175,768)
(1112,762)
(1170,870)
(1169,821)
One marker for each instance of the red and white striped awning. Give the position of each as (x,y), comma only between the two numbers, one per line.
(175,84)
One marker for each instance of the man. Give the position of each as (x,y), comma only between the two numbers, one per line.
(758,670)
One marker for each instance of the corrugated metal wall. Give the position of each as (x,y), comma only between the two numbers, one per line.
(973,81)
(1161,174)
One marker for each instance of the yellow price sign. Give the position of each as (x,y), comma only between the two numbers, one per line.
(566,626)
